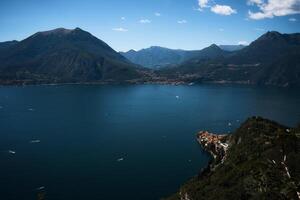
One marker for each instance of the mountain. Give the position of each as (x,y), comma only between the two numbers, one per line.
(209,53)
(232,47)
(272,59)
(267,48)
(261,162)
(64,55)
(5,45)
(157,57)
(76,56)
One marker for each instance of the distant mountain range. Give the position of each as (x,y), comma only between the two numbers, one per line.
(232,47)
(60,56)
(272,59)
(157,57)
(76,56)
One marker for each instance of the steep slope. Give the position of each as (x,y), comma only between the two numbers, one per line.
(64,55)
(262,162)
(157,57)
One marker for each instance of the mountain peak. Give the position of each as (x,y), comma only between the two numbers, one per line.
(78,29)
(214,46)
(157,47)
(273,33)
(62,32)
(67,55)
(270,35)
(131,51)
(57,31)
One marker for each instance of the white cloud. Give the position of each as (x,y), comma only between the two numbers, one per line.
(203,3)
(259,15)
(292,19)
(157,14)
(145,21)
(274,8)
(253,2)
(123,18)
(222,10)
(216,8)
(120,29)
(243,43)
(182,21)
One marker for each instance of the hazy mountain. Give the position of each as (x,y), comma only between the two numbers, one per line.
(156,57)
(272,59)
(261,163)
(64,55)
(232,47)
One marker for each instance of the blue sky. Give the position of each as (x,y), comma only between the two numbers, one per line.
(136,24)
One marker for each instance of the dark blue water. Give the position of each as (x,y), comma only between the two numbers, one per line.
(84,130)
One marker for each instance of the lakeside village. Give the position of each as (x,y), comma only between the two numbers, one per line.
(215,144)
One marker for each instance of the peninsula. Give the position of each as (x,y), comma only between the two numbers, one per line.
(260,160)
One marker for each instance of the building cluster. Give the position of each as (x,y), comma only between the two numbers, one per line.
(213,143)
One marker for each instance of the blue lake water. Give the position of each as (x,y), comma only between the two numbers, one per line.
(119,142)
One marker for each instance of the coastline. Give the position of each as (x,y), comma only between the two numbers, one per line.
(20,83)
(258,161)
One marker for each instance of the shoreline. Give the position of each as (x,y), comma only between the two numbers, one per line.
(138,82)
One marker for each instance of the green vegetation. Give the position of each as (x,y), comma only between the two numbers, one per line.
(76,56)
(272,59)
(63,56)
(158,57)
(262,163)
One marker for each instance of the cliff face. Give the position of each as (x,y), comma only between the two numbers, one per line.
(261,162)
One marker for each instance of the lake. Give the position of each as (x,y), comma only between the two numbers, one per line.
(119,142)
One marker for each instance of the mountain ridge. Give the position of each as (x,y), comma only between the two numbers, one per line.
(64,55)
(272,59)
(76,56)
(156,57)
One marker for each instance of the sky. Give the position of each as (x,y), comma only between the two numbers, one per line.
(137,24)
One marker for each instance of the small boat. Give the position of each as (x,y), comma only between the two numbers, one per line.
(120,159)
(35,141)
(177,97)
(40,188)
(11,152)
